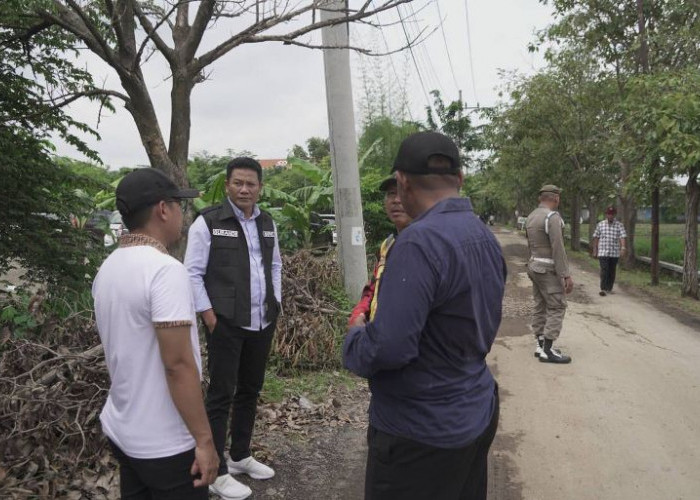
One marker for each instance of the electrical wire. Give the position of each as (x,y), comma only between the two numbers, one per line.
(413,57)
(469,46)
(391,59)
(447,49)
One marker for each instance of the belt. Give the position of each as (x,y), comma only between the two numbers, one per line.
(543,260)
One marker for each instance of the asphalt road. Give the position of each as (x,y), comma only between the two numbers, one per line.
(622,421)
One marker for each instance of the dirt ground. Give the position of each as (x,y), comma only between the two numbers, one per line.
(620,422)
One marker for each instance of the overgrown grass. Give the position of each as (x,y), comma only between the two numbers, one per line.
(668,291)
(671,241)
(314,385)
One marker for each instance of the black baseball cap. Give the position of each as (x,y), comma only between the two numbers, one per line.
(387,184)
(417,148)
(147,186)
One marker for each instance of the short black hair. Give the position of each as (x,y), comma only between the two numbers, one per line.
(139,218)
(244,162)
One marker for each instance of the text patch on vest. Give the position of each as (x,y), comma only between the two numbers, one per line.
(268,234)
(225,232)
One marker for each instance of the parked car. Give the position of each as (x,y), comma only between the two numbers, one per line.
(330,222)
(321,232)
(116,229)
(97,224)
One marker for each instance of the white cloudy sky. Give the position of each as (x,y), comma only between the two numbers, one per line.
(267,97)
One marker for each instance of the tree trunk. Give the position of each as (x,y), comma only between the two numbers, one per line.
(629,217)
(144,114)
(575,223)
(654,251)
(592,220)
(690,255)
(180,124)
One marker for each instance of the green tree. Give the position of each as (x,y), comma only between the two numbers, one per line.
(665,110)
(39,195)
(124,34)
(453,120)
(628,39)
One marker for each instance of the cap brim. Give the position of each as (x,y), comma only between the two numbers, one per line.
(186,193)
(387,183)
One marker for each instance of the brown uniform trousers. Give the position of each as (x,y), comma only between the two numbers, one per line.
(550,303)
(546,269)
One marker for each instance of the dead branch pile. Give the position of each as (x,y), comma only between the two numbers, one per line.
(309,331)
(51,394)
(52,391)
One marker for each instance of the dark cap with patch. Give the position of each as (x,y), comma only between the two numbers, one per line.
(550,188)
(611,210)
(147,186)
(416,149)
(387,184)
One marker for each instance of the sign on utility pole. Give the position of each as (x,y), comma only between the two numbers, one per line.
(346,174)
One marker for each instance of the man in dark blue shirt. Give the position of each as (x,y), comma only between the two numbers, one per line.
(434,406)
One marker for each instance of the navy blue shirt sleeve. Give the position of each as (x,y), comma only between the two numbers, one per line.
(406,291)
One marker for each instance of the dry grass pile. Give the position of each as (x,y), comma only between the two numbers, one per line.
(52,391)
(315,313)
(51,394)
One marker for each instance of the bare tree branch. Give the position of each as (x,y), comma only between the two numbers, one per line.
(248,35)
(151,33)
(201,20)
(65,100)
(94,32)
(72,23)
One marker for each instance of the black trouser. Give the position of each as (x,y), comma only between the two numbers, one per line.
(400,468)
(237,360)
(608,266)
(166,478)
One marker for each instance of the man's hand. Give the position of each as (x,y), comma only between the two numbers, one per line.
(206,464)
(595,252)
(209,319)
(623,251)
(568,285)
(358,321)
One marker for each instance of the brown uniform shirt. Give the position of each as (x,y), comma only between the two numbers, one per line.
(545,239)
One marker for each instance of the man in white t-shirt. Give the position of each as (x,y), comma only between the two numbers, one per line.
(154,416)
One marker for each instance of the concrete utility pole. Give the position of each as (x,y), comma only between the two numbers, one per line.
(346,174)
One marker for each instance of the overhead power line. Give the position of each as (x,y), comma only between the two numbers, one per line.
(423,56)
(413,57)
(391,59)
(469,46)
(447,49)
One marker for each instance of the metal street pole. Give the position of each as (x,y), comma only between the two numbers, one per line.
(346,174)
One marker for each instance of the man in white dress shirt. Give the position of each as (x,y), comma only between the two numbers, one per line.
(235,268)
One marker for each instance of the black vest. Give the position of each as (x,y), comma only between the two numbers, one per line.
(227,279)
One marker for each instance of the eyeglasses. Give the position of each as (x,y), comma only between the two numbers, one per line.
(180,201)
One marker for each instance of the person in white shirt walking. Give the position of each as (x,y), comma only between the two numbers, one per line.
(609,244)
(235,267)
(154,416)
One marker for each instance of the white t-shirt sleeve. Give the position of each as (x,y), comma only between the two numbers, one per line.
(171,297)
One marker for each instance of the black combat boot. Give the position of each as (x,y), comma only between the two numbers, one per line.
(539,339)
(551,355)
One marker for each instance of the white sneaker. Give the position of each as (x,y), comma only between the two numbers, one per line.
(229,489)
(250,466)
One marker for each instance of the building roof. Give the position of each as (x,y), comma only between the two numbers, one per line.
(273,163)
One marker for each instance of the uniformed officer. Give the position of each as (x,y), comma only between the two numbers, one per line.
(548,270)
(234,264)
